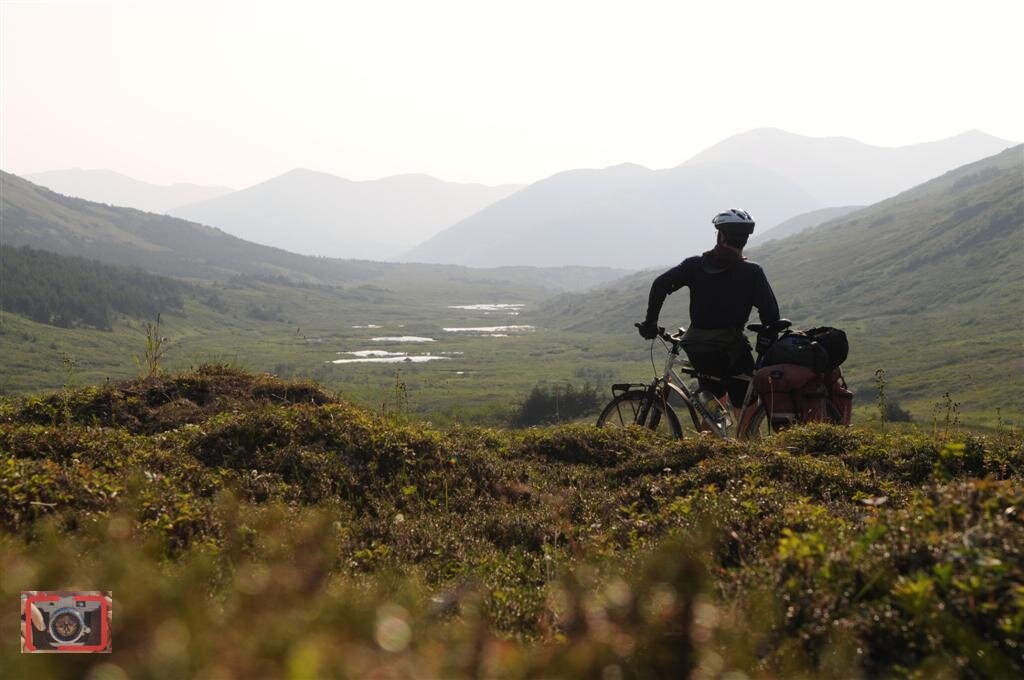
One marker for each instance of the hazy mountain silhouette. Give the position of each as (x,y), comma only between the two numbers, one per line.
(802,222)
(113,188)
(843,171)
(625,215)
(40,218)
(630,216)
(316,213)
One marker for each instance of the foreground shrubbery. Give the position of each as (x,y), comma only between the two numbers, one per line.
(250,527)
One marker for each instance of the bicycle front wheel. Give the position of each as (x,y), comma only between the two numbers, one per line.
(628,409)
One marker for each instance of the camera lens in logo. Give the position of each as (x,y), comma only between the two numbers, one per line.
(67,625)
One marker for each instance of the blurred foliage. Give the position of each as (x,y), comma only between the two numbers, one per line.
(252,527)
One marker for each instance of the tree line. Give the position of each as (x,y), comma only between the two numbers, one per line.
(68,291)
(556,404)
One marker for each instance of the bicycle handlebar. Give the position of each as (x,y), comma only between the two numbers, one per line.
(662,333)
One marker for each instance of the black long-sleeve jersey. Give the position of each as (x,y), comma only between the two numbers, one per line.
(717,300)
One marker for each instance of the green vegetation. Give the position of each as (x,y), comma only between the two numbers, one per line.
(550,404)
(253,526)
(482,379)
(68,291)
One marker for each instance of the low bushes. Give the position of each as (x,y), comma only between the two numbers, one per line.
(272,530)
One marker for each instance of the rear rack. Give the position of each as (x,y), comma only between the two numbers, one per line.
(621,388)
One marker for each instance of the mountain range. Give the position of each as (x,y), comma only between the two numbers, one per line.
(113,188)
(630,216)
(40,218)
(315,213)
(627,215)
(624,216)
(843,171)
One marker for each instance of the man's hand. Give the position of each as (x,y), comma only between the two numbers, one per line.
(37,617)
(648,330)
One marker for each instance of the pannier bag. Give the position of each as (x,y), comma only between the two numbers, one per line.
(835,343)
(799,349)
(840,398)
(792,394)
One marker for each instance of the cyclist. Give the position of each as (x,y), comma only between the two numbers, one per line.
(724,286)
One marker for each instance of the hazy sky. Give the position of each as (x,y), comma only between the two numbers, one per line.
(223,93)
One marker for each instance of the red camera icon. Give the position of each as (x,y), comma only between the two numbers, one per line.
(71,622)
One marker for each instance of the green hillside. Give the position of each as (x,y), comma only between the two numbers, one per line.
(251,527)
(928,284)
(70,291)
(799,223)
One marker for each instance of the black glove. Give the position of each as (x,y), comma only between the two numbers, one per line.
(764,342)
(648,330)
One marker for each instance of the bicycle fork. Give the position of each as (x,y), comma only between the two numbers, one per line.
(654,391)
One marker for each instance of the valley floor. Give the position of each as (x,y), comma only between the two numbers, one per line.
(472,357)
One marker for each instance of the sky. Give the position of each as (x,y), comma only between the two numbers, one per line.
(232,94)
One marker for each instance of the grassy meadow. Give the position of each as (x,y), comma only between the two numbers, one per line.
(297,330)
(294,330)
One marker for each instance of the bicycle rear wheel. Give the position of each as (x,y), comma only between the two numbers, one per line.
(626,409)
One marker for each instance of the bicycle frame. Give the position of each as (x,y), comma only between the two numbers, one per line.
(670,380)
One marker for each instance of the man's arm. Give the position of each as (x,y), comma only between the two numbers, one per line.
(764,299)
(663,286)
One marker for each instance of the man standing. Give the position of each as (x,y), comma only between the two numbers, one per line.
(724,287)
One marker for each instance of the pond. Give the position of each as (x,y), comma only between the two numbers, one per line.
(488,329)
(402,338)
(373,356)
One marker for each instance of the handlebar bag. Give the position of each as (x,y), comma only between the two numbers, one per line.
(835,343)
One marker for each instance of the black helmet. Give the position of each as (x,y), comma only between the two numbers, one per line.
(734,221)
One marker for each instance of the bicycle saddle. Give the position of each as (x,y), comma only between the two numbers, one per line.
(772,328)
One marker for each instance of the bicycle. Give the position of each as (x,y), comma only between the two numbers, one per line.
(652,405)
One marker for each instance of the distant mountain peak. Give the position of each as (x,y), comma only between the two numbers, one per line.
(846,171)
(108,186)
(318,213)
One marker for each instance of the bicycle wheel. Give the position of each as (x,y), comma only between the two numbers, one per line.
(756,425)
(624,410)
